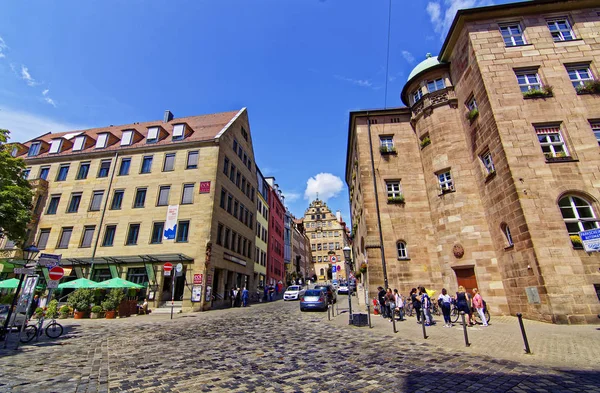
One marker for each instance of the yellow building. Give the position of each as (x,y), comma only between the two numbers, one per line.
(262,231)
(121,201)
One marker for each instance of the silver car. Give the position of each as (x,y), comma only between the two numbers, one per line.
(314,299)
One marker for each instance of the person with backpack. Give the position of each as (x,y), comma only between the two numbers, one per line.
(445,301)
(426,305)
(478,304)
(416,302)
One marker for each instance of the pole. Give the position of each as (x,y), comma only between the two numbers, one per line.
(462,315)
(394,322)
(172,291)
(527,349)
(5,330)
(423,323)
(369,314)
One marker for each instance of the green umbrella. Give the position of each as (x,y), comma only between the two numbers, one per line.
(79,283)
(11,283)
(118,283)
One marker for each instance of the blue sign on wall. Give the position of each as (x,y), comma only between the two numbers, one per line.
(590,240)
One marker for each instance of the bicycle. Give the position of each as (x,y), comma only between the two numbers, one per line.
(53,330)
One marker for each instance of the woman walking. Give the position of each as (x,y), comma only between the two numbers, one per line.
(463,303)
(390,303)
(426,306)
(444,302)
(416,302)
(478,304)
(399,304)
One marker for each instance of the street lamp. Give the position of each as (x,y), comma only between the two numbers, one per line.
(30,252)
(348,264)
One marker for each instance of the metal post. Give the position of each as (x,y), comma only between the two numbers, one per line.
(5,329)
(394,322)
(527,349)
(172,291)
(369,314)
(462,315)
(423,323)
(328,312)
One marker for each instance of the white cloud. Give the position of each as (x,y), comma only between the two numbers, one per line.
(408,56)
(3,47)
(25,126)
(26,76)
(325,185)
(50,101)
(45,92)
(442,19)
(291,196)
(357,82)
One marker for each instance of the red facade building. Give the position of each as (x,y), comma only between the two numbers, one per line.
(275,252)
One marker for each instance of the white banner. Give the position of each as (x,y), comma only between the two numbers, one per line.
(170,229)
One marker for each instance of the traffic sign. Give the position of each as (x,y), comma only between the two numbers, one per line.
(56,273)
(333,259)
(590,240)
(52,284)
(179,268)
(339,268)
(49,260)
(333,269)
(167,267)
(23,270)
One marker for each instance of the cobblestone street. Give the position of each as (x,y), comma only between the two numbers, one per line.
(266,348)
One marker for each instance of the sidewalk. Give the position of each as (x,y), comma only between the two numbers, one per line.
(561,346)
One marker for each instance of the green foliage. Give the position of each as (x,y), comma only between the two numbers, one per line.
(472,114)
(15,193)
(363,268)
(81,299)
(398,199)
(52,311)
(7,299)
(425,142)
(64,310)
(545,91)
(96,309)
(386,149)
(589,87)
(39,312)
(113,299)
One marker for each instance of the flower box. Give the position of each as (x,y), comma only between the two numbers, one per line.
(472,114)
(387,150)
(544,92)
(425,142)
(589,87)
(398,199)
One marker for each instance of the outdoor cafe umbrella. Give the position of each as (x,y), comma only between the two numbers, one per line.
(79,283)
(118,283)
(11,283)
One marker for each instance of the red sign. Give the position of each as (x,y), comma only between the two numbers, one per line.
(56,273)
(204,187)
(198,279)
(167,267)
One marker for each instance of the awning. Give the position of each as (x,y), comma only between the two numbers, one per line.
(149,258)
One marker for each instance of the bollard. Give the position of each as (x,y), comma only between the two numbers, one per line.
(337,309)
(369,314)
(464,323)
(329,312)
(423,323)
(527,349)
(394,322)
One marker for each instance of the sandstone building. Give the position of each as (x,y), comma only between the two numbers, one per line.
(488,174)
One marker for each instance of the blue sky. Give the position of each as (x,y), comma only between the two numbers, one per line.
(299,66)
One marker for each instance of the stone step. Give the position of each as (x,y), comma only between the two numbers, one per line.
(166,310)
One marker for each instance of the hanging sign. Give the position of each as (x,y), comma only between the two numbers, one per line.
(196,293)
(197,278)
(204,187)
(171,222)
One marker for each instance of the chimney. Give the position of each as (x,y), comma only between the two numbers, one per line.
(168,116)
(338,215)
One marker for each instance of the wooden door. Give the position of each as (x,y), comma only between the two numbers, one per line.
(466,278)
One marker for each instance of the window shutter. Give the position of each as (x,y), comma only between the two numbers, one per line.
(79,143)
(126,138)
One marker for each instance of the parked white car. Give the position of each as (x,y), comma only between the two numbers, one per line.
(293,292)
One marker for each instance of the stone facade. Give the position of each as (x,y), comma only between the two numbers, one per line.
(499,224)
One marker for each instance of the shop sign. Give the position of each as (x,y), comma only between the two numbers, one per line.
(197,279)
(204,187)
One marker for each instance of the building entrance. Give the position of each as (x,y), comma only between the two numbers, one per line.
(466,277)
(179,286)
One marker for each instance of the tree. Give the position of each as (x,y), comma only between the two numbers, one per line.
(15,193)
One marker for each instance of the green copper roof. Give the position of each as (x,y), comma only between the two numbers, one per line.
(429,62)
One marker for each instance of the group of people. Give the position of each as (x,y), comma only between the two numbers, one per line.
(239,298)
(391,303)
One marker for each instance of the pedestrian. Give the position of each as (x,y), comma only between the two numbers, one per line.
(381,298)
(478,304)
(271,292)
(238,298)
(233,295)
(463,303)
(444,301)
(416,302)
(399,304)
(245,294)
(390,303)
(266,293)
(33,306)
(426,306)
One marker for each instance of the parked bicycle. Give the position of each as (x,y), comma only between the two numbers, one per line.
(53,330)
(455,315)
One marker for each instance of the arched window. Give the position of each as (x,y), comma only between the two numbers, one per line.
(322,272)
(402,252)
(507,235)
(578,214)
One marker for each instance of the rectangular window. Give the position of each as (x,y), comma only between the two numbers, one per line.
(74,204)
(235,145)
(560,28)
(488,163)
(596,129)
(435,85)
(163,195)
(393,189)
(178,132)
(229,203)
(43,238)
(192,160)
(53,205)
(88,236)
(34,149)
(132,235)
(63,170)
(183,230)
(109,235)
(226,238)
(337,245)
(235,208)
(117,200)
(445,181)
(187,196)
(528,80)
(96,200)
(101,141)
(84,169)
(551,141)
(240,151)
(65,236)
(313,247)
(26,173)
(220,234)
(140,198)
(157,232)
(152,135)
(386,142)
(169,164)
(226,166)
(127,138)
(512,34)
(104,168)
(238,177)
(232,173)
(579,75)
(55,146)
(44,172)
(125,165)
(146,164)
(223,198)
(79,143)
(471,104)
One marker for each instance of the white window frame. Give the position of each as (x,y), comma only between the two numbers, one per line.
(513,30)
(178,132)
(34,149)
(445,181)
(435,83)
(79,143)
(417,95)
(472,103)
(488,162)
(549,133)
(402,250)
(127,138)
(507,235)
(394,189)
(577,219)
(529,84)
(578,70)
(558,34)
(386,141)
(102,140)
(152,136)
(55,146)
(595,125)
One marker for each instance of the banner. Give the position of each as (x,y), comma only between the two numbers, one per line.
(171,222)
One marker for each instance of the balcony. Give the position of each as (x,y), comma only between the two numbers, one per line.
(425,106)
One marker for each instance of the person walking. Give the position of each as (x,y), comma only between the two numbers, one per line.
(381,298)
(416,302)
(390,303)
(245,295)
(426,305)
(238,297)
(445,301)
(478,305)
(232,295)
(463,303)
(399,304)
(271,292)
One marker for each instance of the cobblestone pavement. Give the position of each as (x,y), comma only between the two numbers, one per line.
(265,348)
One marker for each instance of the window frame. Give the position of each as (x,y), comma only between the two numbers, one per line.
(595,126)
(94,195)
(159,194)
(386,141)
(183,189)
(124,169)
(45,168)
(512,35)
(121,192)
(102,167)
(577,68)
(61,238)
(507,235)
(102,137)
(155,225)
(577,219)
(561,37)
(447,184)
(435,84)
(129,133)
(401,252)
(43,231)
(137,191)
(82,165)
(529,85)
(129,232)
(149,158)
(52,198)
(393,192)
(59,176)
(69,206)
(557,130)
(189,154)
(488,164)
(34,149)
(82,243)
(180,225)
(109,229)
(169,156)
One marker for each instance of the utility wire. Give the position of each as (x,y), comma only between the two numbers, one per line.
(387,62)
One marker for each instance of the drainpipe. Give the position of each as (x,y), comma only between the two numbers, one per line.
(385,278)
(112,176)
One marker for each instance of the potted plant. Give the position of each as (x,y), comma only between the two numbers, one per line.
(363,268)
(39,312)
(545,91)
(64,312)
(52,310)
(472,114)
(589,87)
(80,300)
(96,310)
(576,241)
(387,149)
(112,301)
(425,142)
(396,199)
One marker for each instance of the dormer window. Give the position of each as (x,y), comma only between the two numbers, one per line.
(127,138)
(14,152)
(178,132)
(101,141)
(34,150)
(152,135)
(79,143)
(55,146)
